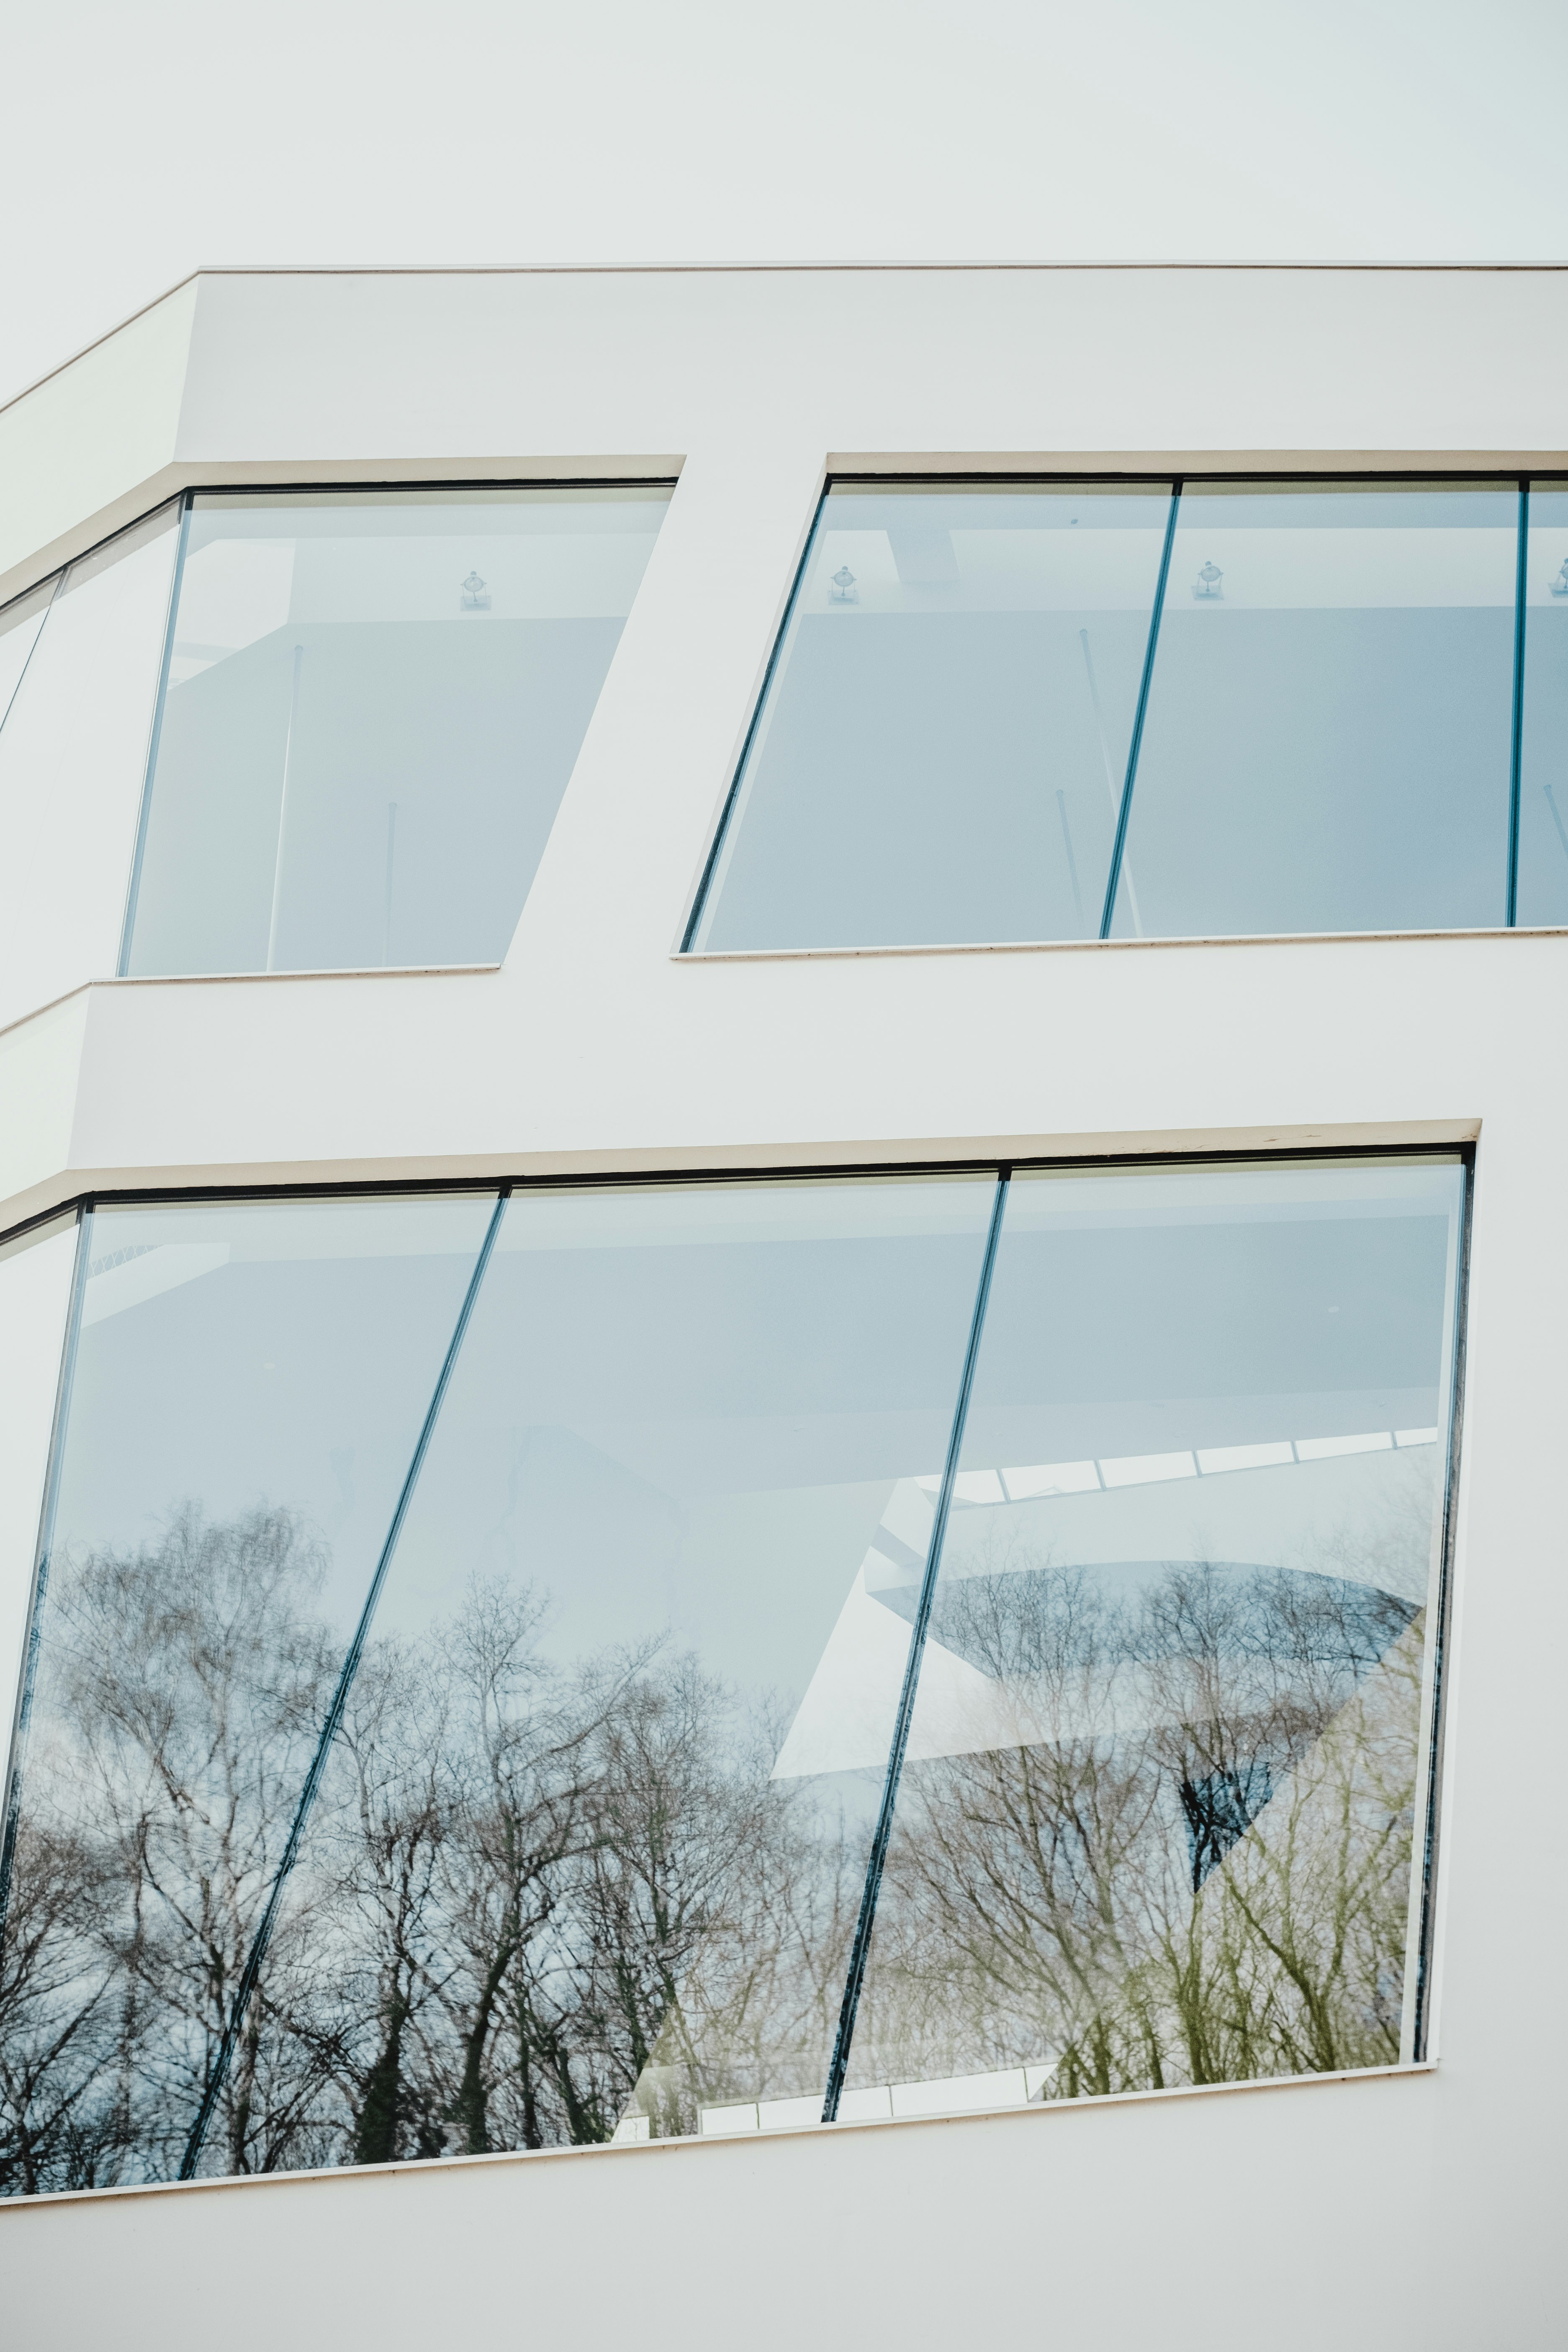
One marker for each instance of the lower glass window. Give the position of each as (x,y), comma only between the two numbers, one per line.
(599,1665)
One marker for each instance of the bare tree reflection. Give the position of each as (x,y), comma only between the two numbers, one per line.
(538,1895)
(1192,1861)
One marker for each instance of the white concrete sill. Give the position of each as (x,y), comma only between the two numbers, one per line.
(331,972)
(1107,946)
(225,979)
(641,2150)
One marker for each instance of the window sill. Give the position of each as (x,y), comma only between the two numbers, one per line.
(643,2149)
(1100,947)
(327,971)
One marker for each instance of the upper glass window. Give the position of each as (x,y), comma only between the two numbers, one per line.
(1326,740)
(1018,711)
(940,751)
(374,703)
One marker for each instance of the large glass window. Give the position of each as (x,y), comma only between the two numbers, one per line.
(374,704)
(1021,711)
(503,1665)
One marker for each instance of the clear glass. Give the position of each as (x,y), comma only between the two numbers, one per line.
(589,1855)
(1327,744)
(73,755)
(1170,1743)
(1543,771)
(375,701)
(250,1380)
(940,751)
(35,1291)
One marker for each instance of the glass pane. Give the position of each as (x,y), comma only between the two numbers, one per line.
(250,1382)
(1544,777)
(1167,1754)
(35,1293)
(374,705)
(19,625)
(1327,743)
(73,755)
(941,750)
(590,1850)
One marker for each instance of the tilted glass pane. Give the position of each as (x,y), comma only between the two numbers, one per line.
(1167,1757)
(941,750)
(1543,775)
(73,755)
(34,1290)
(1327,743)
(589,1853)
(250,1382)
(375,704)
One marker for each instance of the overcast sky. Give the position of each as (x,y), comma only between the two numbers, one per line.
(142,138)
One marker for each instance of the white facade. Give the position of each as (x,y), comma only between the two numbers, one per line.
(1416,2206)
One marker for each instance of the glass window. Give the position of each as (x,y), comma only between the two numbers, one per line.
(1544,776)
(249,1384)
(1327,742)
(375,702)
(1165,1772)
(73,754)
(972,690)
(34,1290)
(941,749)
(590,1850)
(471,1639)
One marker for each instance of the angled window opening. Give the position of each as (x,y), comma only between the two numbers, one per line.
(372,707)
(1020,711)
(942,743)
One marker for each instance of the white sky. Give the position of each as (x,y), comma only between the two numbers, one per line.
(142,138)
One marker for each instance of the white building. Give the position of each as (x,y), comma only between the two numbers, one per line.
(780,1168)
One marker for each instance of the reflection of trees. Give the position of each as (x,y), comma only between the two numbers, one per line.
(1192,1864)
(536,1894)
(529,1890)
(179,1693)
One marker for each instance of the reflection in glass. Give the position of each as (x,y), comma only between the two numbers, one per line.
(941,752)
(1543,779)
(73,753)
(249,1384)
(374,703)
(1327,743)
(1157,1821)
(590,1850)
(589,1844)
(34,1292)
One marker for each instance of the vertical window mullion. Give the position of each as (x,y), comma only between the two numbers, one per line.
(1516,752)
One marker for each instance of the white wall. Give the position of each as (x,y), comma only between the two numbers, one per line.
(1417,2209)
